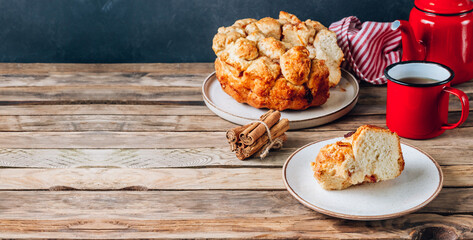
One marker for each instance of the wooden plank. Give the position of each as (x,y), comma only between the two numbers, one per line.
(369,94)
(146,123)
(105,109)
(445,148)
(372,99)
(122,123)
(461,176)
(168,68)
(177,79)
(168,109)
(74,96)
(211,204)
(93,83)
(171,178)
(205,213)
(174,158)
(150,205)
(153,123)
(176,140)
(143,94)
(150,179)
(310,226)
(38,74)
(100,93)
(160,68)
(105,140)
(134,158)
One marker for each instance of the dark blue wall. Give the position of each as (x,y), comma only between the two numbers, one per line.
(86,31)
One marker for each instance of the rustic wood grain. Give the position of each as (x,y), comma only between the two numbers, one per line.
(157,158)
(83,74)
(106,78)
(446,149)
(161,158)
(111,139)
(100,93)
(153,123)
(38,74)
(151,179)
(143,88)
(104,109)
(191,204)
(309,226)
(458,175)
(230,214)
(370,99)
(165,109)
(131,151)
(134,158)
(105,139)
(117,123)
(171,179)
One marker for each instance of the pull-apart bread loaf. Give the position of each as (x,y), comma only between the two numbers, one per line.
(371,154)
(277,63)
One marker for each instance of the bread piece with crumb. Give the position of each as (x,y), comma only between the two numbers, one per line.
(335,162)
(326,48)
(371,154)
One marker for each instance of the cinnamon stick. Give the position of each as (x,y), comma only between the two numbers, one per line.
(260,129)
(234,133)
(245,132)
(277,130)
(266,114)
(253,125)
(239,153)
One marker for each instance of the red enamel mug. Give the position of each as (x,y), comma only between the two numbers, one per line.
(419,109)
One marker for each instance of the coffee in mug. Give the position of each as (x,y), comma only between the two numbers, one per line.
(417,80)
(417,99)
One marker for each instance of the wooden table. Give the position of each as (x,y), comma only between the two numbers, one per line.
(131,151)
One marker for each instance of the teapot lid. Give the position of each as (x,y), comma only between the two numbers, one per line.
(444,6)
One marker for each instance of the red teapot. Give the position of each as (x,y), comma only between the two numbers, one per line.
(440,31)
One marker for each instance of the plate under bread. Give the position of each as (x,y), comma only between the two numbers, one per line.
(342,99)
(418,184)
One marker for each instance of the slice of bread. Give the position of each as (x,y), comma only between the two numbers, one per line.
(326,48)
(333,166)
(371,154)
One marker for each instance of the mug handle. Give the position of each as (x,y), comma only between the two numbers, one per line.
(465,107)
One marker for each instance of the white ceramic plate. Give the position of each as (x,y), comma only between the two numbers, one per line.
(418,184)
(342,99)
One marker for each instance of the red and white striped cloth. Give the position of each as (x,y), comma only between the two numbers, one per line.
(368,48)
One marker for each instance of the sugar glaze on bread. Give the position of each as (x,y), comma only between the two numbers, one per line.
(371,154)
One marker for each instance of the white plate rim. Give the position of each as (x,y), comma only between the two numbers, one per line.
(361,217)
(305,123)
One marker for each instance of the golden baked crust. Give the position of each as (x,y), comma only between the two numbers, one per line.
(371,154)
(272,63)
(334,165)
